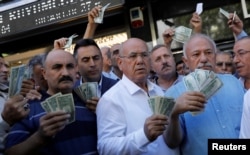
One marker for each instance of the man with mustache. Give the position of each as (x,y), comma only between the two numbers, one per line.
(90,63)
(126,124)
(219,115)
(241,59)
(163,64)
(49,133)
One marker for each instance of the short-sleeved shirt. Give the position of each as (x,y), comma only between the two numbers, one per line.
(79,137)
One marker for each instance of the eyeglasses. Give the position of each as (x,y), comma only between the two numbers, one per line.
(240,54)
(133,56)
(227,64)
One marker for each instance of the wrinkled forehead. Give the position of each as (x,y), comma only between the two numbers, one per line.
(243,44)
(199,43)
(59,57)
(134,46)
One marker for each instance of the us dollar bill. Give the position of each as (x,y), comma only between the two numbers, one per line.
(182,34)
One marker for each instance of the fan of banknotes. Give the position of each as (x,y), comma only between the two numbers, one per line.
(87,90)
(58,102)
(17,75)
(204,81)
(161,105)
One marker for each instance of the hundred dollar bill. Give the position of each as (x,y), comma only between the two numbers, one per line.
(191,82)
(169,104)
(225,13)
(99,19)
(182,34)
(161,105)
(66,103)
(212,87)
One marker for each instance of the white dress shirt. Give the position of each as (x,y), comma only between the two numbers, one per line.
(121,114)
(4,127)
(245,120)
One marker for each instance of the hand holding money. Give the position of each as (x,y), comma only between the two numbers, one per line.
(154,126)
(182,34)
(70,40)
(99,18)
(92,103)
(14,110)
(235,23)
(94,13)
(168,36)
(60,43)
(59,102)
(52,123)
(192,101)
(204,81)
(196,22)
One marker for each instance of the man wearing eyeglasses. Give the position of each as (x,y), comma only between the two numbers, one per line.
(224,63)
(125,122)
(220,114)
(242,62)
(241,58)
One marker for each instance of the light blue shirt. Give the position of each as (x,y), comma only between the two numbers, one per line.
(220,118)
(241,35)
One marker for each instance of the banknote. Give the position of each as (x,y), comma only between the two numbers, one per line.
(66,103)
(58,102)
(99,19)
(70,40)
(87,90)
(204,81)
(15,81)
(52,101)
(46,106)
(225,13)
(199,8)
(212,87)
(182,34)
(161,105)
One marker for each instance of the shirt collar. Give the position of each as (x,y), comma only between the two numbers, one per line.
(133,88)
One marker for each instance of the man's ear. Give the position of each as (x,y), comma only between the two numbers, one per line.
(119,62)
(43,73)
(184,59)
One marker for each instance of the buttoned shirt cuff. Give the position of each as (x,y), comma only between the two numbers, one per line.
(241,35)
(141,139)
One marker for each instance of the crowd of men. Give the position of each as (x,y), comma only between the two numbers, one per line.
(119,120)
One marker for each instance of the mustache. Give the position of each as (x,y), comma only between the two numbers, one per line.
(165,66)
(66,78)
(205,65)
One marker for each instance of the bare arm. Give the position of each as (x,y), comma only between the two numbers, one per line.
(196,23)
(91,27)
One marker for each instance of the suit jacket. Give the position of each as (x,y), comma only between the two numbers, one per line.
(106,84)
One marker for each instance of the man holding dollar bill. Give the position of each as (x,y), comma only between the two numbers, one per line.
(90,63)
(219,115)
(126,124)
(50,132)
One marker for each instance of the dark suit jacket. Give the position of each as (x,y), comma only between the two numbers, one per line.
(106,84)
